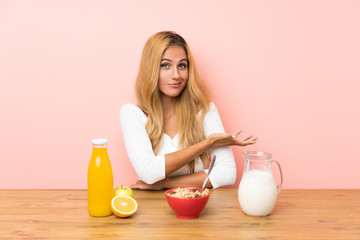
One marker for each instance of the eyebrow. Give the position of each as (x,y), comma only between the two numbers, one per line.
(166,59)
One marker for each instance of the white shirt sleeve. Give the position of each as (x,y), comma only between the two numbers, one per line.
(224,171)
(149,168)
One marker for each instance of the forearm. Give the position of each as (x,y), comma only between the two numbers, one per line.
(176,160)
(191,180)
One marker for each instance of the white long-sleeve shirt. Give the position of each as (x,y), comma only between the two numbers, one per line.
(150,168)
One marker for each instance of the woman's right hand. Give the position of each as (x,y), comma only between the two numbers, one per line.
(226,139)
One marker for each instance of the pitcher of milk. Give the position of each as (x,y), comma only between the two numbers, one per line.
(257,190)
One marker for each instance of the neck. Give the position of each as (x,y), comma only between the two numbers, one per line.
(168,106)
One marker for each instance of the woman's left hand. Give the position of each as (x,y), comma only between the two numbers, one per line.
(245,141)
(225,139)
(144,186)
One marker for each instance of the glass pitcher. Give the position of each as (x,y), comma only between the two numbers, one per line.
(257,190)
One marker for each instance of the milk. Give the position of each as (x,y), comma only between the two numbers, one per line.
(257,193)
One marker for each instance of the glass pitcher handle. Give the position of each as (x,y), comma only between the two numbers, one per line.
(281,176)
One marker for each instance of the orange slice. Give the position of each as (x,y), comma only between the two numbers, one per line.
(123,206)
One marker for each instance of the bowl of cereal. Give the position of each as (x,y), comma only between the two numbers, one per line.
(187,202)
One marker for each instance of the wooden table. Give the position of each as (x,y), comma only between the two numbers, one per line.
(62,214)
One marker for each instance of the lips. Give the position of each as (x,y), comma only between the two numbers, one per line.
(175,85)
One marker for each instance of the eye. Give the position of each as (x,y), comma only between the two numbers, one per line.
(165,65)
(182,66)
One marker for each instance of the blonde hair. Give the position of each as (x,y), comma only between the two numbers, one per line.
(191,105)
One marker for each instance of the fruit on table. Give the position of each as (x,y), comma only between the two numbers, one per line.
(123,206)
(123,191)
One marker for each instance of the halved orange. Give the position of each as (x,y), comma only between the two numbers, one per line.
(123,206)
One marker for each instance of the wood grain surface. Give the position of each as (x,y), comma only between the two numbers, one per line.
(62,214)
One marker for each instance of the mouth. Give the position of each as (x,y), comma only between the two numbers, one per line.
(175,85)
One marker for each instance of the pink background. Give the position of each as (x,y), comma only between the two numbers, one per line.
(286,71)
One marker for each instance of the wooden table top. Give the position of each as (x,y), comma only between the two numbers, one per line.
(62,214)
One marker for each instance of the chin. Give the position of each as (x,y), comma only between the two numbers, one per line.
(172,94)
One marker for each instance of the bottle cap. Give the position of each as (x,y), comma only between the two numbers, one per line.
(99,141)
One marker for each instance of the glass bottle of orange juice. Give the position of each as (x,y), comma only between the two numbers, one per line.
(100,180)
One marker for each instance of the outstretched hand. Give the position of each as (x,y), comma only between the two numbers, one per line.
(226,139)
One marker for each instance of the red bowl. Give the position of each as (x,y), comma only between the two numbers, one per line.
(187,208)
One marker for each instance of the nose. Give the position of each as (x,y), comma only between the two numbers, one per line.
(175,74)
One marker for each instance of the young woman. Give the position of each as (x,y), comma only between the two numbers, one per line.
(174,131)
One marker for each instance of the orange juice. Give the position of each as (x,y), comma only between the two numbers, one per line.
(100,180)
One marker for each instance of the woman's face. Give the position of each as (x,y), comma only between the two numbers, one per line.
(174,71)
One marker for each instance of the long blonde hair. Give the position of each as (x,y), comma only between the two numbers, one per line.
(191,105)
